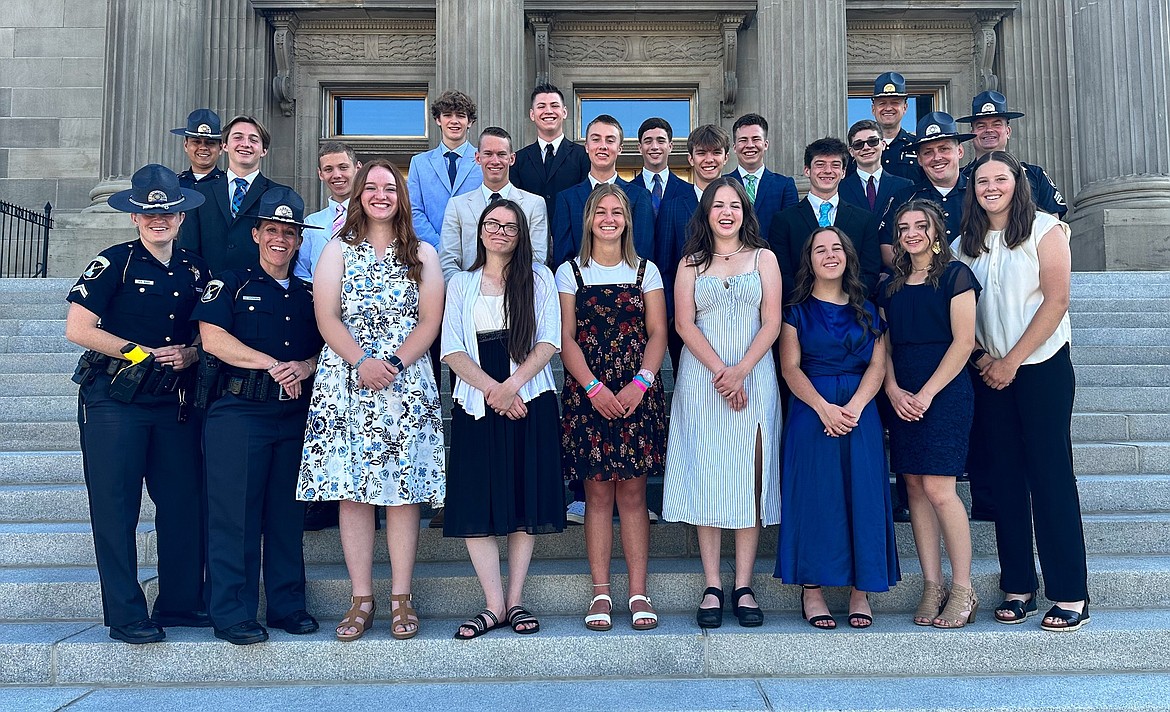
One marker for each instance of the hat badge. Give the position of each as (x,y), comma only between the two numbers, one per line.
(156,196)
(987,108)
(889,88)
(203,129)
(933,129)
(283,211)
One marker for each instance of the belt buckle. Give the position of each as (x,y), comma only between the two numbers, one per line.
(283,395)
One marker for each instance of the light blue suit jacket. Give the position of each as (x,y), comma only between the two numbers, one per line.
(315,240)
(430,188)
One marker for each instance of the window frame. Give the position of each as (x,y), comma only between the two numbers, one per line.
(333,95)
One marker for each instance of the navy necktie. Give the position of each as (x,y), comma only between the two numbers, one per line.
(452,157)
(871,192)
(238,195)
(656,193)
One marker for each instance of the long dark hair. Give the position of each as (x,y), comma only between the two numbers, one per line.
(937,230)
(356,224)
(700,245)
(850,282)
(519,285)
(1021,212)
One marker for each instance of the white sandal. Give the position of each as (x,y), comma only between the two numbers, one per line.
(605,619)
(640,616)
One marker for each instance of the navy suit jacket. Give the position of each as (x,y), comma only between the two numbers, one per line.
(670,236)
(791,229)
(570,210)
(852,191)
(570,166)
(776,192)
(211,232)
(675,187)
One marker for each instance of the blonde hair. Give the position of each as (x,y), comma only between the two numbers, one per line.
(629,254)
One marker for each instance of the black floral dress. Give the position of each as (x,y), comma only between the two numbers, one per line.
(611,332)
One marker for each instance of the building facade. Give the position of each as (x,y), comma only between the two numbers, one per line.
(89,88)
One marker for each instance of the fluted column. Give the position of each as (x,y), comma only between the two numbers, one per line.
(1122,69)
(153,63)
(480,50)
(237,68)
(1036,77)
(803,75)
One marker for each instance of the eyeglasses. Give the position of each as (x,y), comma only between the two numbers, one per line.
(510,229)
(860,144)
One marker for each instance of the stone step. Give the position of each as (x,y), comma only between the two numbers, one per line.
(37,384)
(1089,375)
(1114,337)
(62,544)
(34,310)
(1121,277)
(1122,399)
(1121,319)
(1084,353)
(62,654)
(1114,692)
(19,409)
(31,327)
(44,467)
(1090,305)
(52,503)
(38,344)
(39,362)
(1123,290)
(40,436)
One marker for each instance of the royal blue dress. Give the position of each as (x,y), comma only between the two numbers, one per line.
(836,527)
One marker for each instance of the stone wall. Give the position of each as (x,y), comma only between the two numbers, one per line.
(52,73)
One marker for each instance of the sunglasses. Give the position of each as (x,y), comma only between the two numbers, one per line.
(860,144)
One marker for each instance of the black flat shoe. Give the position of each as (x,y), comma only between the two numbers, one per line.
(816,621)
(299,623)
(1071,619)
(749,617)
(245,633)
(711,617)
(182,619)
(1015,612)
(138,632)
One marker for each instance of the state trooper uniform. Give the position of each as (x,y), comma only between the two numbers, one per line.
(899,157)
(205,124)
(1044,191)
(253,438)
(934,126)
(131,436)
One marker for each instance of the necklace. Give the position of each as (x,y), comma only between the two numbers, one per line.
(729,255)
(924,269)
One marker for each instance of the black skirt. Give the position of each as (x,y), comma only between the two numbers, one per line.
(504,475)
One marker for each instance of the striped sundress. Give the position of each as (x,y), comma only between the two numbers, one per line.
(710,468)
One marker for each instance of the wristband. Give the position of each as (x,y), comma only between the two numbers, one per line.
(593,388)
(648,375)
(640,384)
(975,356)
(357,364)
(396,362)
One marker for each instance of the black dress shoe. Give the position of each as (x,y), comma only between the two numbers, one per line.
(749,617)
(143,631)
(299,623)
(711,617)
(901,514)
(184,619)
(244,633)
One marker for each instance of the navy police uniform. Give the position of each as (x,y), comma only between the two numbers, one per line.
(951,204)
(142,300)
(187,178)
(900,159)
(253,438)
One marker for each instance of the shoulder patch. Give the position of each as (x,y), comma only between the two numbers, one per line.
(95,268)
(81,289)
(194,271)
(212,290)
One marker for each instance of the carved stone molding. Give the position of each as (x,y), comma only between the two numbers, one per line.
(985,46)
(899,41)
(365,47)
(590,49)
(541,26)
(284,26)
(731,25)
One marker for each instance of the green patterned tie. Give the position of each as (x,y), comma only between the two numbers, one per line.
(750,182)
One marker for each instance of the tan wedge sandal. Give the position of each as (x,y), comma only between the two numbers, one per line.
(357,618)
(934,597)
(960,609)
(402,614)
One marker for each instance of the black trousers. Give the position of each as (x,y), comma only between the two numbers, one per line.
(123,444)
(1024,433)
(253,456)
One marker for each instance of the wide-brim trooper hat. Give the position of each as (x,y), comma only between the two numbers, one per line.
(938,125)
(988,104)
(155,189)
(283,205)
(889,84)
(201,123)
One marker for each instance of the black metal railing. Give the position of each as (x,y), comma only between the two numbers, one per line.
(24,241)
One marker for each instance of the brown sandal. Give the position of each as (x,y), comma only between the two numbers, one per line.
(960,609)
(934,597)
(357,618)
(402,614)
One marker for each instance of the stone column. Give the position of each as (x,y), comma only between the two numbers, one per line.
(1035,76)
(237,68)
(804,82)
(479,47)
(153,61)
(1122,74)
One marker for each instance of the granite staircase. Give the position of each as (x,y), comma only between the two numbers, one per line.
(54,652)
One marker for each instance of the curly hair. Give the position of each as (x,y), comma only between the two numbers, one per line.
(454,102)
(851,282)
(936,231)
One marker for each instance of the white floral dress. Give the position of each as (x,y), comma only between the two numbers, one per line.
(382,447)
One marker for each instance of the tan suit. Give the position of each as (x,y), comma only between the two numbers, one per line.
(460,222)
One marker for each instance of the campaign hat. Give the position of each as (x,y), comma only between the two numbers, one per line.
(987,104)
(889,84)
(938,125)
(155,189)
(201,123)
(282,204)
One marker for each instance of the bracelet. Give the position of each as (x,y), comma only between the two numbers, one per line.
(396,362)
(593,388)
(274,365)
(358,364)
(648,375)
(640,384)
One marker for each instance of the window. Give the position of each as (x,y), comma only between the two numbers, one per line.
(917,106)
(633,107)
(401,114)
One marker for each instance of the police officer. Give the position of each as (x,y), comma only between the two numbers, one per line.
(202,142)
(259,322)
(889,107)
(989,122)
(131,309)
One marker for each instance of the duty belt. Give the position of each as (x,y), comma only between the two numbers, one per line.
(254,384)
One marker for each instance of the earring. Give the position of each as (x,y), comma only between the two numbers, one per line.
(936,248)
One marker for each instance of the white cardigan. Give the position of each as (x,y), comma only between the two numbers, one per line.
(459,333)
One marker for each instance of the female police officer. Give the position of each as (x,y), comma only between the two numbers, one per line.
(259,322)
(131,310)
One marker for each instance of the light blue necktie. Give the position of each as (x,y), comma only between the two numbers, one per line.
(823,219)
(238,195)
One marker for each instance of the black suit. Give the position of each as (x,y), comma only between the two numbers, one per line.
(792,227)
(852,191)
(570,166)
(211,232)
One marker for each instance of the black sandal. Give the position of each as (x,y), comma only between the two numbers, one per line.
(479,624)
(815,621)
(518,616)
(1017,611)
(864,620)
(711,617)
(1072,619)
(749,617)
